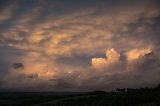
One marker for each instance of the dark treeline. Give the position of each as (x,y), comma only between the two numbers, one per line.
(121,97)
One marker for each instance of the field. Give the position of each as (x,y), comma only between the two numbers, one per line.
(120,97)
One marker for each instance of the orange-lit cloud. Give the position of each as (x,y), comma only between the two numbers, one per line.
(112,57)
(6,13)
(137,53)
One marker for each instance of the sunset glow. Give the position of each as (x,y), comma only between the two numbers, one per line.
(79,45)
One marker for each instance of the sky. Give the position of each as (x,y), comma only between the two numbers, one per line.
(79,45)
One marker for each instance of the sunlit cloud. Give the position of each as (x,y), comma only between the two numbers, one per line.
(136,54)
(112,57)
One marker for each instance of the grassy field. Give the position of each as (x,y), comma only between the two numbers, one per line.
(121,97)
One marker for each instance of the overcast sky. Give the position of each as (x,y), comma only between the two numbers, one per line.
(79,45)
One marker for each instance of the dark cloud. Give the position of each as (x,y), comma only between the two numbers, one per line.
(33,76)
(75,59)
(63,83)
(8,56)
(18,65)
(1,82)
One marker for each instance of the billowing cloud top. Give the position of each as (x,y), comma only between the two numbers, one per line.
(79,45)
(112,57)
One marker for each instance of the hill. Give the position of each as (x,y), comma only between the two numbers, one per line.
(120,97)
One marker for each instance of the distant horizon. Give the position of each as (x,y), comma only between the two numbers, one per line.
(68,92)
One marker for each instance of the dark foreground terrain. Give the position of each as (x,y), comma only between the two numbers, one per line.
(120,97)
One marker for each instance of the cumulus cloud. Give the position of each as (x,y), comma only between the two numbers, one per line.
(137,53)
(144,71)
(126,58)
(112,57)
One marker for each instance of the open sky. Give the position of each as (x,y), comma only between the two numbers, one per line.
(79,45)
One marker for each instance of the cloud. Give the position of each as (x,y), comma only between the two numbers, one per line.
(112,57)
(18,65)
(140,73)
(137,53)
(6,13)
(117,73)
(65,43)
